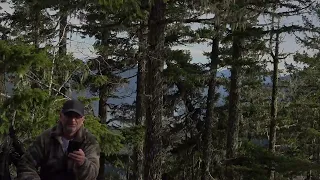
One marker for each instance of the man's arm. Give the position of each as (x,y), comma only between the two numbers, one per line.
(27,166)
(90,168)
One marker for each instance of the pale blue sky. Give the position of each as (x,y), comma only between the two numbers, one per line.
(82,48)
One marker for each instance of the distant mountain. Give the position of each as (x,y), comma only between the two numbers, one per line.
(127,93)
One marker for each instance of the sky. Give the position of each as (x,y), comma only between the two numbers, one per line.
(288,45)
(83,49)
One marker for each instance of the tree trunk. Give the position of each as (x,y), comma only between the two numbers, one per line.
(103,89)
(102,161)
(2,85)
(36,39)
(103,97)
(234,105)
(63,30)
(154,91)
(274,101)
(103,104)
(140,104)
(36,26)
(209,121)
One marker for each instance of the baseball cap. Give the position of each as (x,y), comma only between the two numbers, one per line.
(73,106)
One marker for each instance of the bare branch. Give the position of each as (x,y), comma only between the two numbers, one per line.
(53,61)
(41,83)
(5,95)
(69,77)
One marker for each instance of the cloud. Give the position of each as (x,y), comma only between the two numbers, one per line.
(83,47)
(196,51)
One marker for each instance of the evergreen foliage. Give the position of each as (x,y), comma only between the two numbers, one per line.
(136,61)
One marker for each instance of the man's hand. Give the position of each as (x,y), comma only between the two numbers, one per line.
(78,156)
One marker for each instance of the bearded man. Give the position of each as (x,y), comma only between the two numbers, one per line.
(65,151)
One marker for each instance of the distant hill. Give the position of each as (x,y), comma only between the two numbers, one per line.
(127,92)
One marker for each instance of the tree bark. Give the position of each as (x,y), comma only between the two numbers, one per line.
(103,104)
(63,49)
(140,104)
(210,119)
(2,85)
(104,88)
(154,91)
(36,38)
(63,32)
(103,113)
(102,162)
(234,105)
(274,99)
(36,25)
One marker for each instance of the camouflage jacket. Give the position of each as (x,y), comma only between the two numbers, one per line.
(47,153)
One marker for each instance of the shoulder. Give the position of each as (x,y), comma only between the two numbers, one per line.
(44,136)
(47,133)
(92,147)
(89,137)
(38,145)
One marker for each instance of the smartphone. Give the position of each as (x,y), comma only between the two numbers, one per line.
(73,146)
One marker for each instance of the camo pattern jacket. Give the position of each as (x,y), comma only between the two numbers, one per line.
(47,153)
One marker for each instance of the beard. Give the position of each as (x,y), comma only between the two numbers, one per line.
(69,130)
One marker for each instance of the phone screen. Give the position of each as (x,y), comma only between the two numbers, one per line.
(73,146)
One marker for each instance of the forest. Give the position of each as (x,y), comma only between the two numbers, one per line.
(247,107)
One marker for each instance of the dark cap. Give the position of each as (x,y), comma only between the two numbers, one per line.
(73,106)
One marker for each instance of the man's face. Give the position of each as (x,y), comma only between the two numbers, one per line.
(71,122)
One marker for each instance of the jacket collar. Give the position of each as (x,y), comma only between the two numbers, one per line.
(57,132)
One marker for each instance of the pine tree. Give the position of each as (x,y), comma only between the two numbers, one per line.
(154,83)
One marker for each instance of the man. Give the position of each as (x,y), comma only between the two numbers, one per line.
(50,150)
